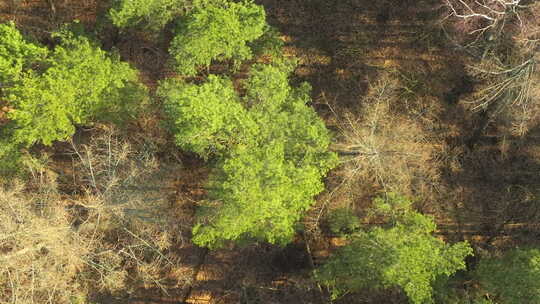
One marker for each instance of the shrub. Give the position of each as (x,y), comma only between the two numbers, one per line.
(343,221)
(9,156)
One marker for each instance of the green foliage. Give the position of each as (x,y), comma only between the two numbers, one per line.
(217,31)
(268,86)
(10,156)
(272,148)
(205,119)
(47,93)
(82,83)
(512,278)
(268,44)
(153,14)
(343,221)
(404,254)
(16,54)
(263,196)
(286,117)
(447,294)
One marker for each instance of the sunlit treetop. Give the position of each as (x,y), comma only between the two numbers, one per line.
(207,119)
(17,54)
(219,30)
(82,83)
(150,14)
(49,92)
(270,152)
(402,253)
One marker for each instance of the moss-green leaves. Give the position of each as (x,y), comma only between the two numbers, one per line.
(82,83)
(205,119)
(16,54)
(152,14)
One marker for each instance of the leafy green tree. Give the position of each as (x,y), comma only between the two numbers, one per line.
(16,54)
(207,118)
(82,83)
(152,14)
(269,43)
(217,31)
(272,153)
(287,118)
(403,254)
(47,93)
(257,193)
(512,278)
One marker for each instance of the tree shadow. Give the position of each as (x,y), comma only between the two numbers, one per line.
(494,190)
(343,45)
(260,273)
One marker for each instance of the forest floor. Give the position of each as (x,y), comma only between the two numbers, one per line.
(343,47)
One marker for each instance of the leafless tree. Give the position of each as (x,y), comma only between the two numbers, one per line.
(40,255)
(384,149)
(504,38)
(114,235)
(485,15)
(126,194)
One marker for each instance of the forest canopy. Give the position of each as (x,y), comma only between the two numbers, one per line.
(266,151)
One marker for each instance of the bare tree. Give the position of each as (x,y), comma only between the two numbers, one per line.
(126,195)
(40,255)
(384,149)
(485,15)
(113,235)
(503,38)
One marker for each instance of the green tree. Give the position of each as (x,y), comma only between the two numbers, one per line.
(403,253)
(207,118)
(273,153)
(47,93)
(217,31)
(343,221)
(512,278)
(82,83)
(152,14)
(16,54)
